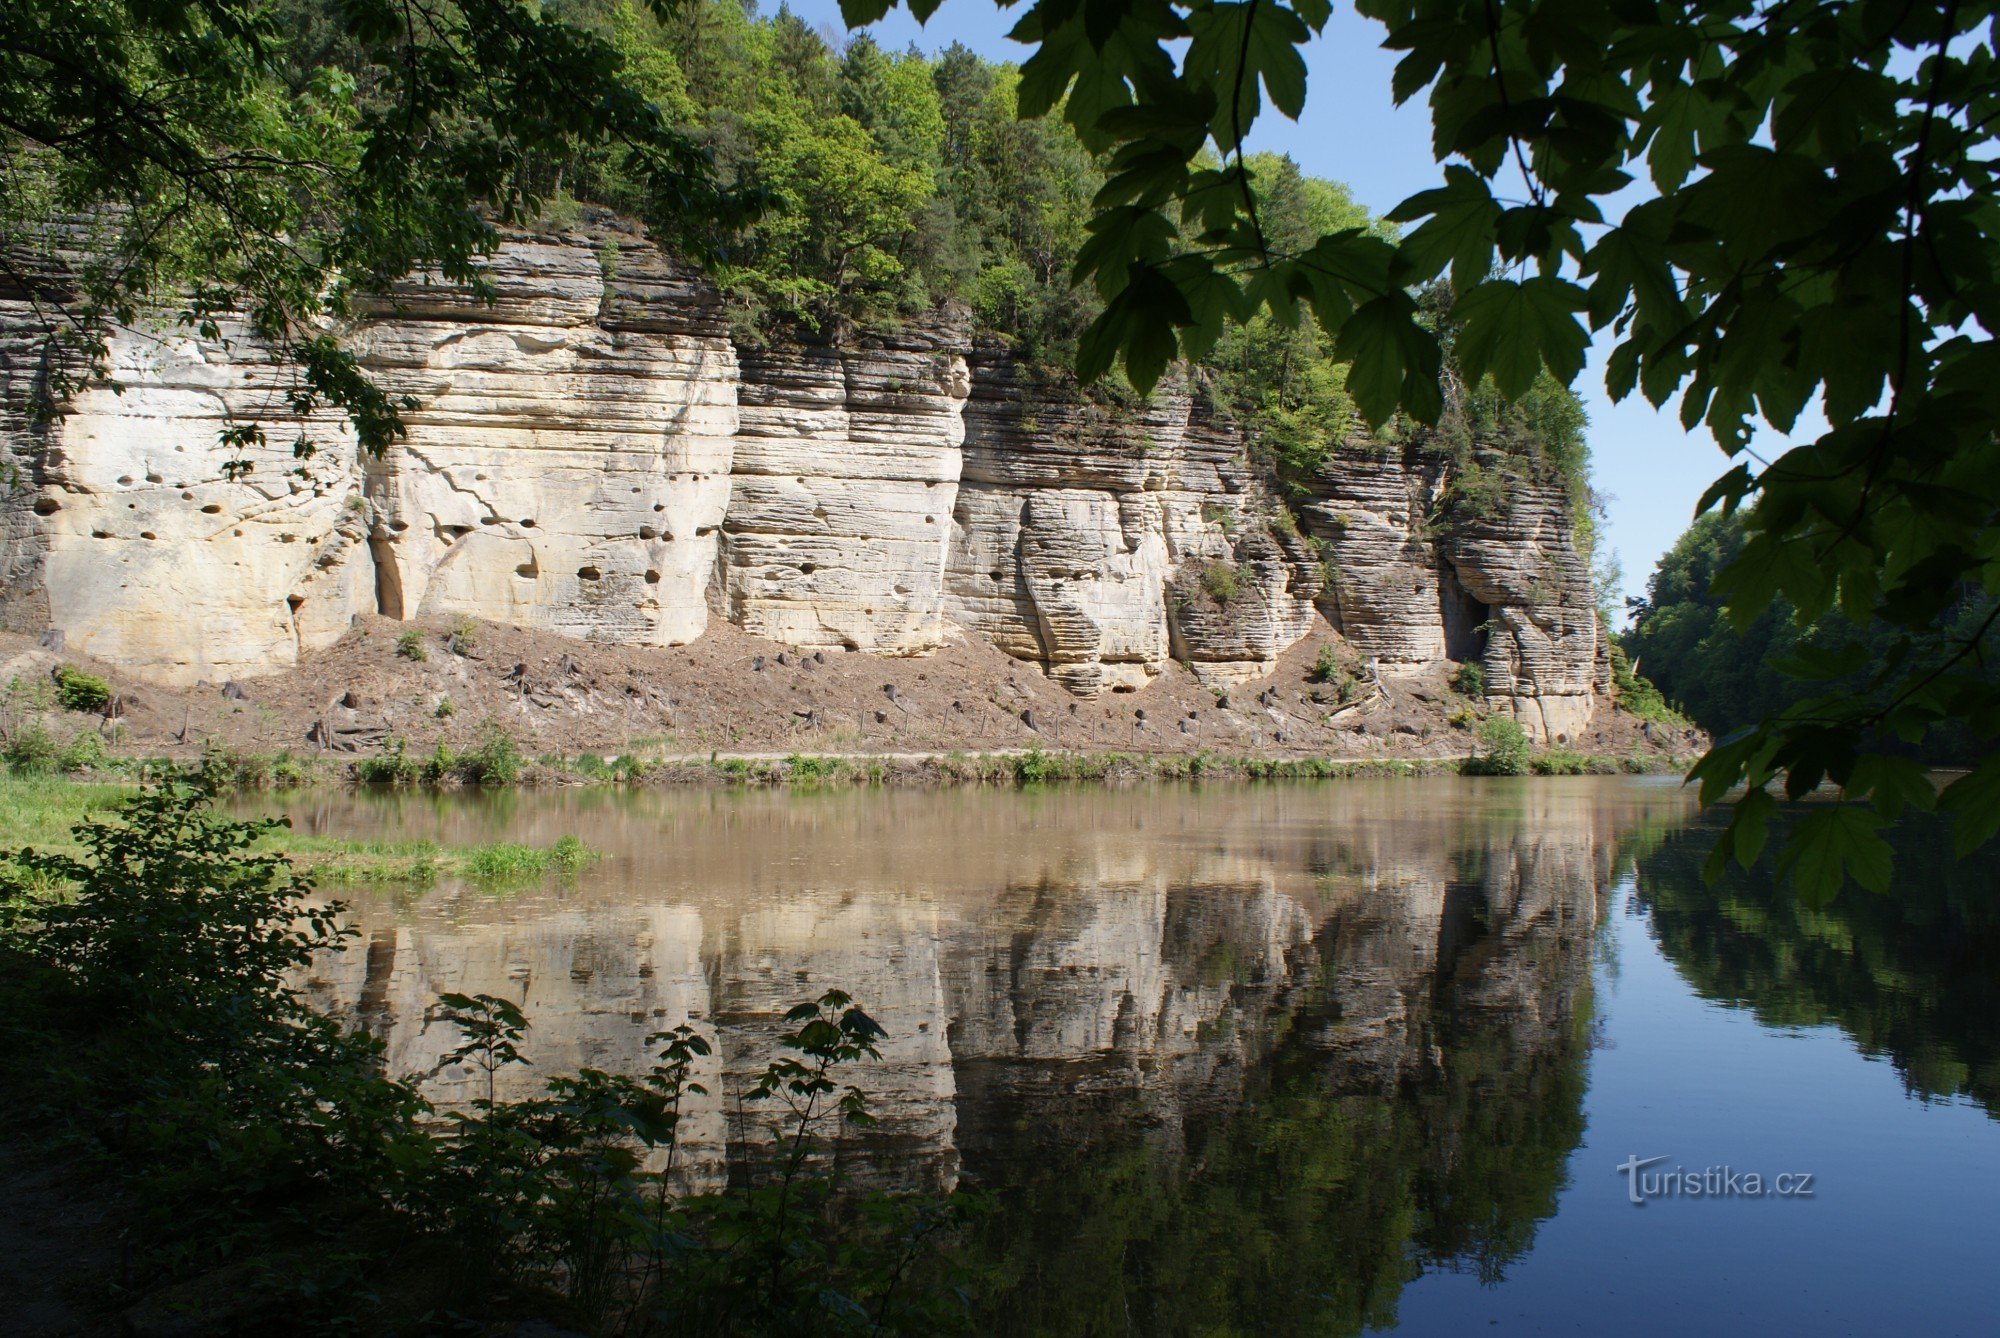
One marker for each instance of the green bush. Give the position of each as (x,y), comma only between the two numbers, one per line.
(1470,680)
(32,751)
(1325,665)
(1561,762)
(157,1011)
(496,761)
(410,645)
(393,766)
(78,691)
(1637,695)
(1222,581)
(84,752)
(1503,748)
(1036,767)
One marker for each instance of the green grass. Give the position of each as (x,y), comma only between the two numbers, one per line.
(39,812)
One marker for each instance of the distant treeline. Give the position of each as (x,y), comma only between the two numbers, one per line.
(1682,640)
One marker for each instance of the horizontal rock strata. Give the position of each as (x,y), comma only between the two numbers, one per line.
(590,454)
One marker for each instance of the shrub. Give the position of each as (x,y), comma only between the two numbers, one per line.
(1503,748)
(1470,680)
(393,766)
(1637,694)
(1325,665)
(32,751)
(78,691)
(464,637)
(1036,767)
(444,710)
(804,770)
(85,752)
(1222,581)
(1561,762)
(161,1016)
(496,761)
(410,645)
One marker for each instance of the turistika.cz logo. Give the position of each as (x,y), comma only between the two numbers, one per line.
(1708,1182)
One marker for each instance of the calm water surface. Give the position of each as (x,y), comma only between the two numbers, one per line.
(1285,1059)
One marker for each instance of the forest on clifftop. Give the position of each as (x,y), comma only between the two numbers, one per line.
(885,184)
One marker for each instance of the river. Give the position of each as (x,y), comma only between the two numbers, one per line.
(1289,1058)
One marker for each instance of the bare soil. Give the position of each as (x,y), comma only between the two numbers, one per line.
(731,694)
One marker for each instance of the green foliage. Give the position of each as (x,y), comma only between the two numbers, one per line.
(410,646)
(497,760)
(1469,680)
(1728,678)
(276,159)
(1824,231)
(1503,748)
(31,750)
(160,992)
(444,710)
(1326,666)
(1036,767)
(1561,762)
(154,1009)
(1637,694)
(1221,581)
(392,766)
(78,691)
(504,862)
(221,769)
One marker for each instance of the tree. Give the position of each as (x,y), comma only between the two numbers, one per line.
(1824,229)
(268,160)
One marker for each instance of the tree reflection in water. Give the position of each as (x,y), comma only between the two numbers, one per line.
(1907,975)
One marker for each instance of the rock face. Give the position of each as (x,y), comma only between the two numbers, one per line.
(1419,577)
(590,454)
(1101,540)
(847,466)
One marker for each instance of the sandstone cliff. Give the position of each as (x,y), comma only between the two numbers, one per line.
(591,455)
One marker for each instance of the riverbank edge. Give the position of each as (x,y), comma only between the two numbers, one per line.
(226,771)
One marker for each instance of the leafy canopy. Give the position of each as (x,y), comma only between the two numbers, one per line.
(1822,227)
(271,160)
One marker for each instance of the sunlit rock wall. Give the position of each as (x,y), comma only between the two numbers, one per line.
(590,454)
(1522,567)
(131,530)
(846,470)
(1103,538)
(567,466)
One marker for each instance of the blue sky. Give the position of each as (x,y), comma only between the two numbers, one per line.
(1650,470)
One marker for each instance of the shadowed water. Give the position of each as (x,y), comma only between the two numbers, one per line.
(1276,1058)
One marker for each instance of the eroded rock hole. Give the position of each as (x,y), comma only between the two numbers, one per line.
(388,578)
(1464,619)
(589,574)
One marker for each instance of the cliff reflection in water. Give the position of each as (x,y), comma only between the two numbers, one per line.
(1249,1056)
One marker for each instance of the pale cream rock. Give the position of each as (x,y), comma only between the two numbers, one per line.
(590,455)
(846,471)
(568,465)
(147,554)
